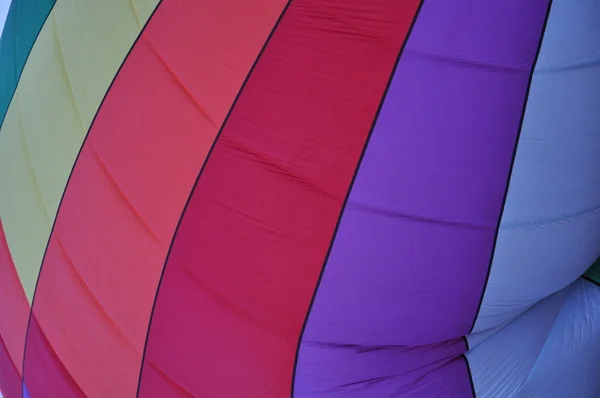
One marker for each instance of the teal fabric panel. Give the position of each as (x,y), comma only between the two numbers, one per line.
(23,23)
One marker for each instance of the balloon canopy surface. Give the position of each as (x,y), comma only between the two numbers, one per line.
(304,198)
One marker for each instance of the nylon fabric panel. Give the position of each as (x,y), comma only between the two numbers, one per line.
(74,59)
(550,230)
(45,371)
(407,267)
(14,308)
(10,377)
(129,185)
(23,23)
(551,350)
(250,247)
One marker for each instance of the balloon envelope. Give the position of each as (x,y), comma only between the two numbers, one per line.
(302,198)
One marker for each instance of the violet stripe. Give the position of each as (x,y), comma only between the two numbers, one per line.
(411,255)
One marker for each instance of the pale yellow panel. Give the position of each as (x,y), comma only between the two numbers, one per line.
(71,65)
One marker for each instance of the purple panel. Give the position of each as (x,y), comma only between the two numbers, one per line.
(408,265)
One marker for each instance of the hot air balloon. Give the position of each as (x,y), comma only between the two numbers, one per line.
(304,198)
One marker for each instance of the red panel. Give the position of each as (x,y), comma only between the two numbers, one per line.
(130,183)
(250,248)
(10,377)
(14,308)
(45,374)
(14,313)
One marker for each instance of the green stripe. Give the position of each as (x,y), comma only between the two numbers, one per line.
(593,274)
(23,23)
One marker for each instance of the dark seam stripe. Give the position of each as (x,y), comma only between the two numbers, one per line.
(196,184)
(345,203)
(512,163)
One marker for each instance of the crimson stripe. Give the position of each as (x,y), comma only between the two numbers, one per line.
(51,374)
(10,379)
(250,247)
(14,312)
(14,308)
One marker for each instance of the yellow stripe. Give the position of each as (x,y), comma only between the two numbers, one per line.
(66,76)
